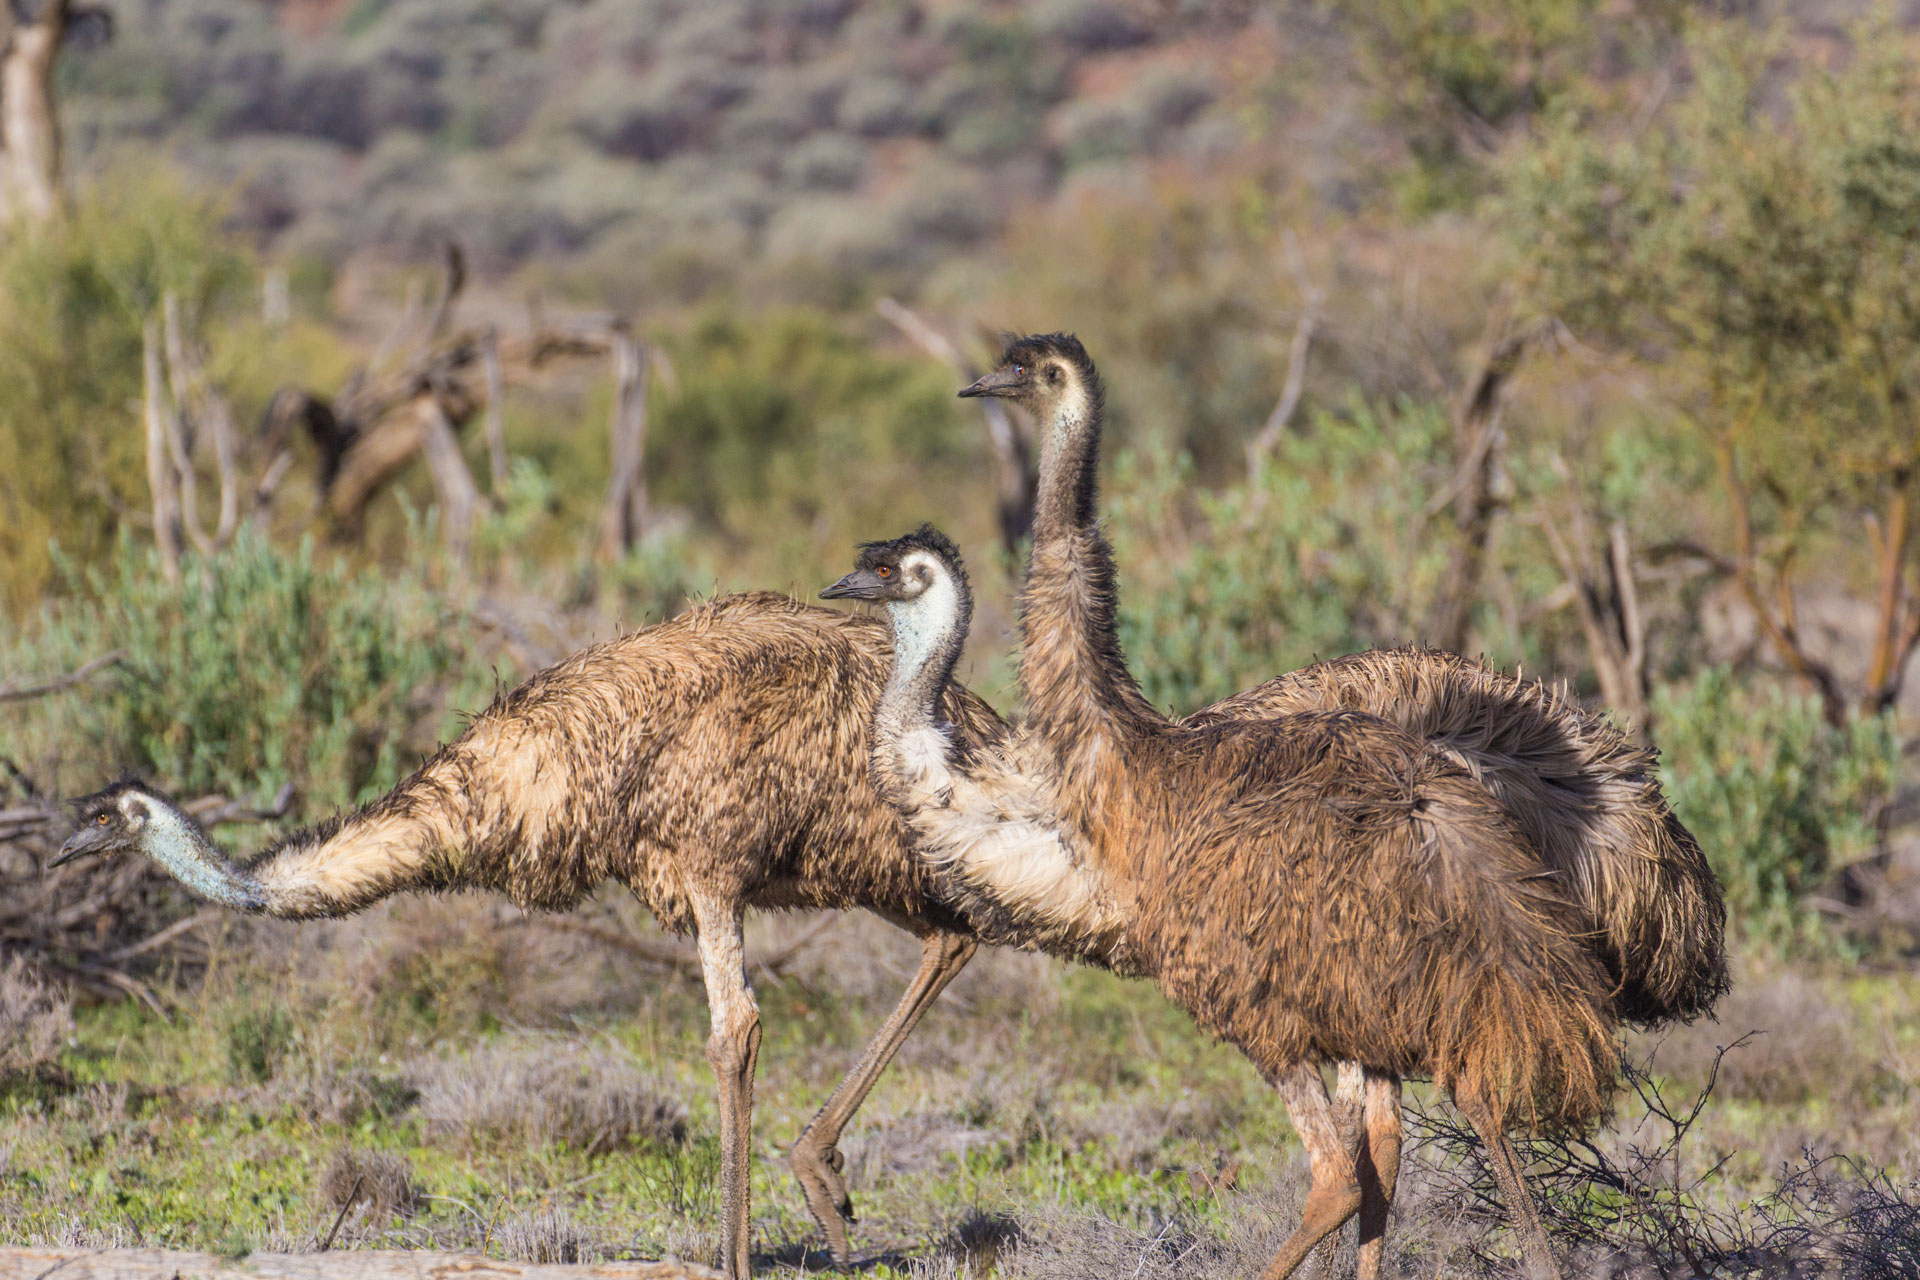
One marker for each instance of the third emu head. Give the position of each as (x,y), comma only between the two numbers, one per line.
(1037,371)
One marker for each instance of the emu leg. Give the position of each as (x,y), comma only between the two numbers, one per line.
(1335,1194)
(733,1049)
(1379,1169)
(817,1162)
(1349,1113)
(1535,1253)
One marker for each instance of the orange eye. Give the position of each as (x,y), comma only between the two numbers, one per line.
(1019,371)
(102,819)
(884,572)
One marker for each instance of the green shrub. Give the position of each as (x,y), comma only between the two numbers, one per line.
(1325,557)
(1779,798)
(73,299)
(262,667)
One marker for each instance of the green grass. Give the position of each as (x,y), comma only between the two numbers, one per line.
(1032,1089)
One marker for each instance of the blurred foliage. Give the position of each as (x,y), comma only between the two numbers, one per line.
(261,667)
(1330,553)
(72,303)
(539,128)
(1459,75)
(788,434)
(1763,244)
(1779,798)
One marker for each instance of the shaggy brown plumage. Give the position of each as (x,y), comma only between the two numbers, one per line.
(1585,797)
(712,763)
(1588,798)
(1319,887)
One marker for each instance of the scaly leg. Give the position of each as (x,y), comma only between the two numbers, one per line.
(817,1161)
(1535,1253)
(1349,1113)
(1335,1194)
(733,1049)
(1379,1169)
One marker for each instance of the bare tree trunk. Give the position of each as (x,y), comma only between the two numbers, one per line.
(453,483)
(1015,477)
(200,403)
(1477,440)
(1897,625)
(1606,598)
(161,478)
(29,125)
(496,427)
(1312,297)
(625,516)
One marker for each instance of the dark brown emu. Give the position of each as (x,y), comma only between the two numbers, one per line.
(712,763)
(1315,888)
(1585,795)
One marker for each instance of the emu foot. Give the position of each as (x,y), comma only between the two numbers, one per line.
(819,1170)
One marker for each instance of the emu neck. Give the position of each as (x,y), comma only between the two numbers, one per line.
(1079,692)
(928,634)
(173,840)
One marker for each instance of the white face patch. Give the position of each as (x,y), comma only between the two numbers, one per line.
(924,619)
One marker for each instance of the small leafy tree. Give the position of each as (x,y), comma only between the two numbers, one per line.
(1764,248)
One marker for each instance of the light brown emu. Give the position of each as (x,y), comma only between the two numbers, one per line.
(1586,796)
(1315,888)
(712,763)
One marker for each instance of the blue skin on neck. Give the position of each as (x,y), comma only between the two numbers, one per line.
(175,844)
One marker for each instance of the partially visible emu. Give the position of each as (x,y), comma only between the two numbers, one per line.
(1320,887)
(712,763)
(1587,797)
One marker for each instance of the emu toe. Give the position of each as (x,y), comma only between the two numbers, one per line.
(819,1171)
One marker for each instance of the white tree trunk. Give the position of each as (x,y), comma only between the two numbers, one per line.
(625,515)
(29,126)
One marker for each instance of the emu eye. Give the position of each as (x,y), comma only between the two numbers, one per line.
(884,572)
(102,819)
(1019,371)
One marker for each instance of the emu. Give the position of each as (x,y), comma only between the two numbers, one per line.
(712,763)
(1588,799)
(1315,887)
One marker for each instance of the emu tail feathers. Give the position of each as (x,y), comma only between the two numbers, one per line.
(1523,1014)
(1587,798)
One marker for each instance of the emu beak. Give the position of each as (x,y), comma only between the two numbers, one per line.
(1000,382)
(861,584)
(79,844)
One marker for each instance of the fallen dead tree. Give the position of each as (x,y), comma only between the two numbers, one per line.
(394,409)
(370,1264)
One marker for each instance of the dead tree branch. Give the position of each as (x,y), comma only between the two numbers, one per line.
(1014,475)
(200,403)
(1312,298)
(1606,598)
(496,415)
(163,480)
(624,517)
(1478,440)
(10,692)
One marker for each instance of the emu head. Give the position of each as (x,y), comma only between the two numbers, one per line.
(113,821)
(901,570)
(1039,371)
